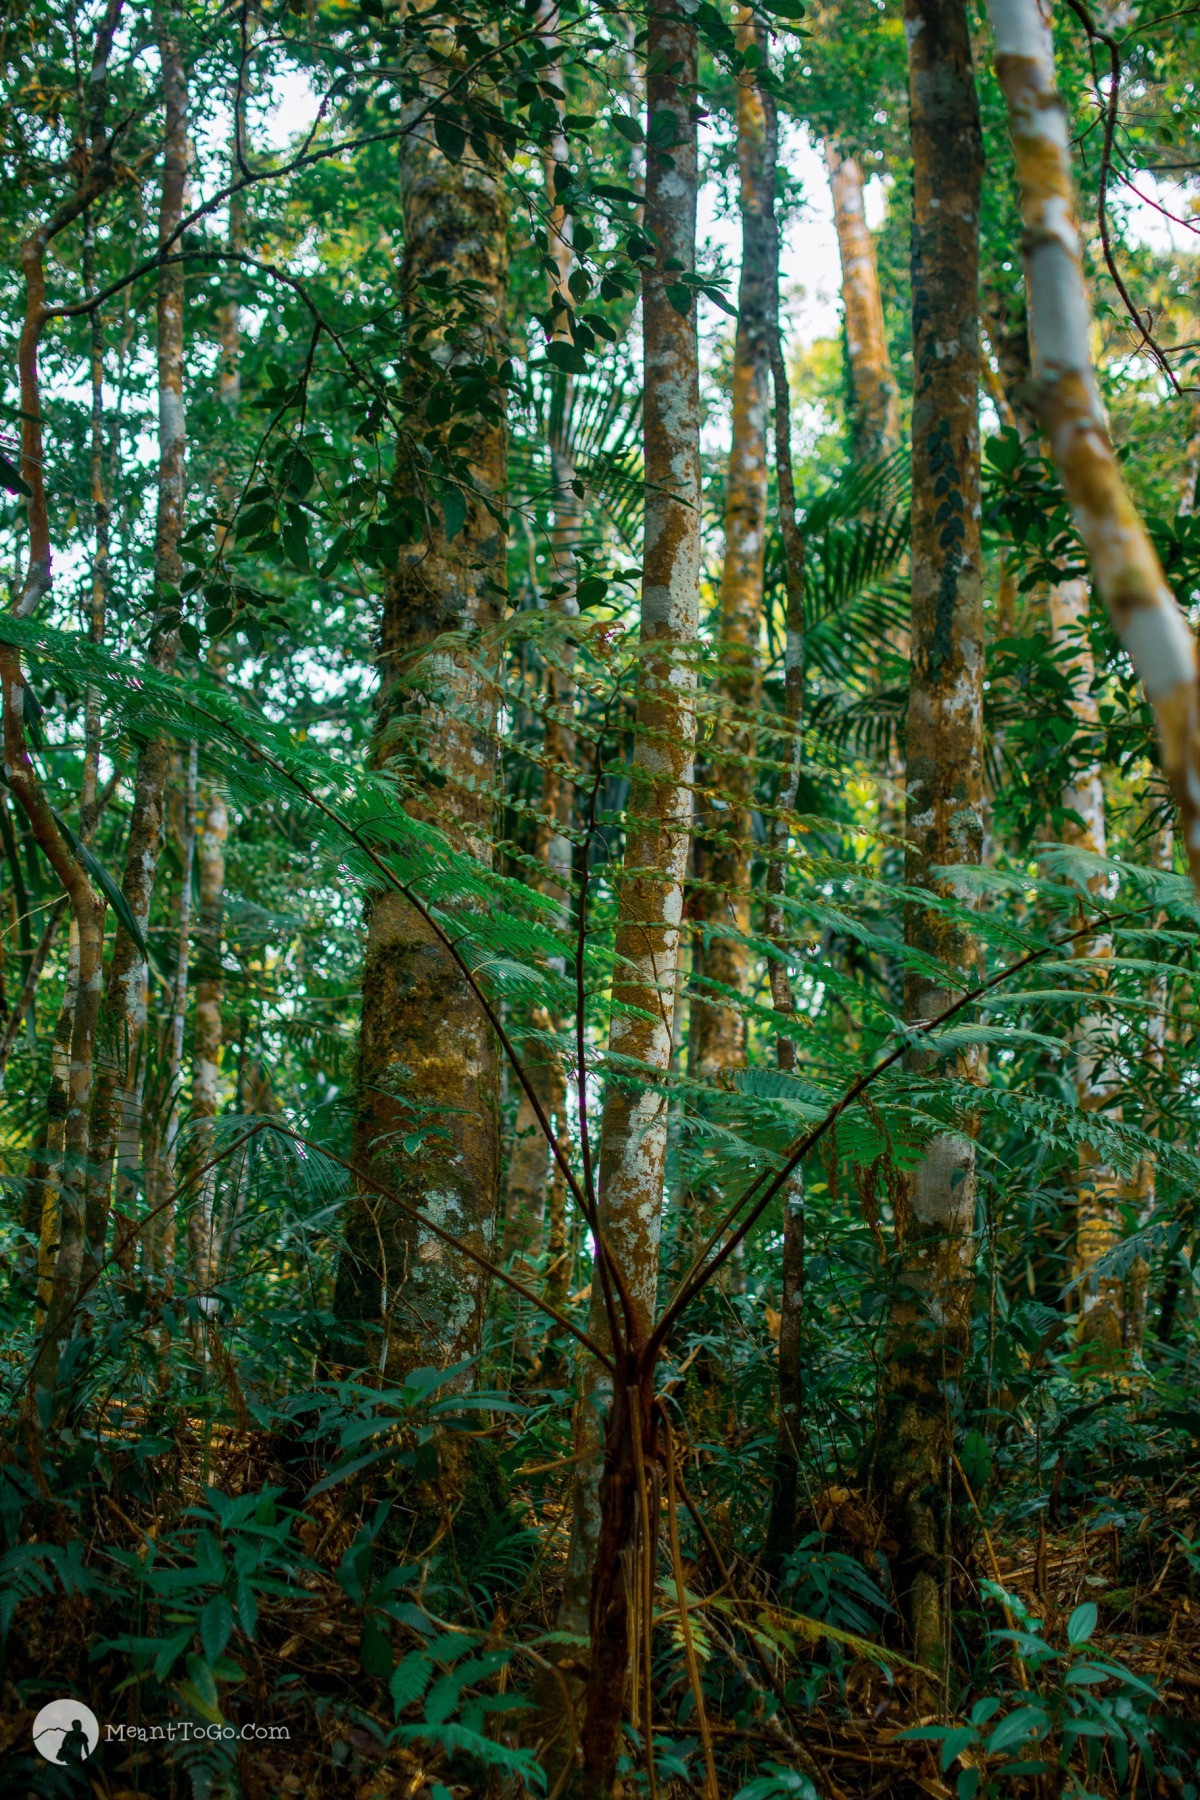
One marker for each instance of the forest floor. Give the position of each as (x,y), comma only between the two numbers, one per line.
(309,1669)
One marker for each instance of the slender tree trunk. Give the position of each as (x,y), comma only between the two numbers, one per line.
(1161,856)
(780,1534)
(532,1172)
(208,1031)
(1098,1218)
(1144,613)
(23,1005)
(929,1321)
(428,1063)
(199,1224)
(875,420)
(634,1127)
(721,906)
(87,907)
(116,1101)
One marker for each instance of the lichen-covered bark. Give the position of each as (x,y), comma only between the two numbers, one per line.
(928,1324)
(116,1099)
(531,1168)
(634,1126)
(1099,1189)
(721,905)
(875,423)
(428,1068)
(1145,615)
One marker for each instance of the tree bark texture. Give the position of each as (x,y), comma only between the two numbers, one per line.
(1099,1189)
(87,907)
(721,904)
(633,1133)
(929,1321)
(1144,612)
(116,1101)
(875,420)
(428,1063)
(532,1172)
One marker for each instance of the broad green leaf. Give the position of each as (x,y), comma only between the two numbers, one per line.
(216,1625)
(1082,1623)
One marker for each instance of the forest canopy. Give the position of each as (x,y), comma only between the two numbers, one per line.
(599,871)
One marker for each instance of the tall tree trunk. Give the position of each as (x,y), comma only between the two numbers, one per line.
(533,1175)
(721,904)
(87,907)
(427,1056)
(1144,612)
(208,1031)
(875,420)
(633,1132)
(116,1101)
(780,1534)
(1099,1190)
(929,1319)
(1161,856)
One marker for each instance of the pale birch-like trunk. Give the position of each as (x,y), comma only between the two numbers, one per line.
(1128,575)
(633,1134)
(928,1327)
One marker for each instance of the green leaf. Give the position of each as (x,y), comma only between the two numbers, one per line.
(719,299)
(454,508)
(12,479)
(1026,1722)
(955,1743)
(410,1680)
(336,554)
(293,535)
(1082,1623)
(376,1650)
(247,1605)
(451,138)
(680,297)
(216,1626)
(629,129)
(189,637)
(1004,451)
(104,882)
(566,356)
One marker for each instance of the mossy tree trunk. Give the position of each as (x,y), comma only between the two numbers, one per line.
(427,1122)
(720,909)
(928,1328)
(634,1127)
(116,1098)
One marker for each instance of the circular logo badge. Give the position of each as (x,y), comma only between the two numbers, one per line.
(66,1731)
